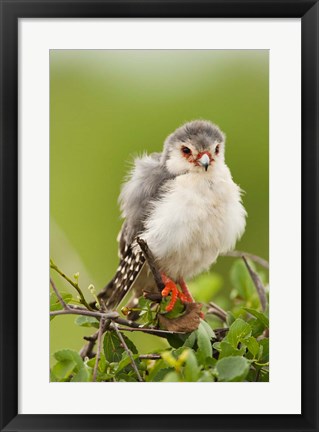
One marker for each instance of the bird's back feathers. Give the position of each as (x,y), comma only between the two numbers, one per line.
(143,186)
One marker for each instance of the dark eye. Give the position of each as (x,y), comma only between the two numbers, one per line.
(186,150)
(217,149)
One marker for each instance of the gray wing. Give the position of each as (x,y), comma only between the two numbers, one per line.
(142,187)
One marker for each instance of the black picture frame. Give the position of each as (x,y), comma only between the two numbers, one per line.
(11,11)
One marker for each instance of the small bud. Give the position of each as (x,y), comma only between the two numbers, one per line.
(125,310)
(76,276)
(91,288)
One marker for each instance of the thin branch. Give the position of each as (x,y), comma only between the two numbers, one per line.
(157,332)
(99,345)
(87,350)
(151,262)
(63,304)
(72,311)
(74,284)
(216,310)
(257,259)
(220,333)
(129,353)
(128,323)
(258,284)
(150,357)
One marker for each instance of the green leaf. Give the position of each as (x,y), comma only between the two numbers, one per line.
(113,348)
(63,369)
(157,366)
(232,369)
(125,361)
(204,342)
(69,355)
(257,327)
(190,340)
(264,375)
(86,321)
(259,315)
(161,374)
(264,343)
(230,318)
(252,345)
(191,369)
(176,340)
(208,329)
(55,303)
(171,377)
(53,378)
(238,331)
(210,362)
(206,376)
(226,349)
(83,375)
(102,363)
(241,279)
(104,377)
(124,377)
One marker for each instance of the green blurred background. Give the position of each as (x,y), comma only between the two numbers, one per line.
(107,106)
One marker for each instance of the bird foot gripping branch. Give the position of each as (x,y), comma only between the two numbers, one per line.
(171,288)
(184,296)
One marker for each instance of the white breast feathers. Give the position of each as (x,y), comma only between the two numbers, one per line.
(196,219)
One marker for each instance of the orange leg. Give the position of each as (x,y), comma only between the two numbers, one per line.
(188,296)
(170,287)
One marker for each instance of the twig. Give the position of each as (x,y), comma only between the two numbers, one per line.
(74,284)
(72,311)
(63,304)
(216,310)
(220,333)
(129,353)
(151,262)
(150,357)
(87,350)
(258,284)
(128,323)
(151,331)
(257,259)
(99,345)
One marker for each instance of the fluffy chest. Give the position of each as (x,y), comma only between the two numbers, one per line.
(186,228)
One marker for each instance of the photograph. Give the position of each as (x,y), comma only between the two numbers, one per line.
(159,215)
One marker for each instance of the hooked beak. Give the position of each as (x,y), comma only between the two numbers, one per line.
(204,161)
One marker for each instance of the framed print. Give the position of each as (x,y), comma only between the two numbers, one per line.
(201,120)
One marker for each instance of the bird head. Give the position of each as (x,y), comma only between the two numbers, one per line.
(197,146)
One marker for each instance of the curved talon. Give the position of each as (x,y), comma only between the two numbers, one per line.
(184,298)
(170,287)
